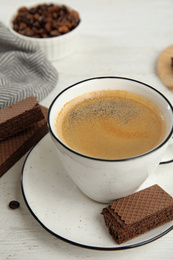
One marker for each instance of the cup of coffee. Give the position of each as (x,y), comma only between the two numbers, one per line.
(111,133)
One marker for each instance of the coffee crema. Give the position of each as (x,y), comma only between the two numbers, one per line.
(111,124)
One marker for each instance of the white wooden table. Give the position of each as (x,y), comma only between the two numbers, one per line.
(119,38)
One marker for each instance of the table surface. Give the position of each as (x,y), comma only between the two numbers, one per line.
(119,38)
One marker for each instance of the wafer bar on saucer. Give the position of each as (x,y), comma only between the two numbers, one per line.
(14,147)
(138,213)
(17,117)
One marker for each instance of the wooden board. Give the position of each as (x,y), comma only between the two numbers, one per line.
(165,68)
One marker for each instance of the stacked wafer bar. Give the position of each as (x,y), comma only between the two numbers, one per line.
(138,213)
(15,118)
(22,125)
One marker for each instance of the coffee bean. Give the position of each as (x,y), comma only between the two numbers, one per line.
(55,33)
(48,26)
(14,204)
(63,29)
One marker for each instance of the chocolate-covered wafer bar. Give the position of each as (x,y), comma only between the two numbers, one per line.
(19,116)
(138,213)
(14,147)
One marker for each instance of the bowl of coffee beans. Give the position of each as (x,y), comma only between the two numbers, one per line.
(53,27)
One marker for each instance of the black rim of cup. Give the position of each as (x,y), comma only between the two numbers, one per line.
(102,159)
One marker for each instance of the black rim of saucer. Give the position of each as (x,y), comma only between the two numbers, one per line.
(99,248)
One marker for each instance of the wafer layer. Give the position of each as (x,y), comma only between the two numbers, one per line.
(19,116)
(138,213)
(14,147)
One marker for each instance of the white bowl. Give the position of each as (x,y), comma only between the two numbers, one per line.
(55,47)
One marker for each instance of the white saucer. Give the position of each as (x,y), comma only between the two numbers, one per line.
(63,210)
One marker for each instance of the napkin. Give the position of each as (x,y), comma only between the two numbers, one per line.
(24,70)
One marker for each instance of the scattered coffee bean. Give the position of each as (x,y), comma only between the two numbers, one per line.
(14,204)
(45,20)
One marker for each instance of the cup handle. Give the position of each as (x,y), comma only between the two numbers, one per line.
(168,157)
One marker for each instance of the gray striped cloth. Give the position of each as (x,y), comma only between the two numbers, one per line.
(24,70)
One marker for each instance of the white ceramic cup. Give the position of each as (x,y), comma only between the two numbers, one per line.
(105,180)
